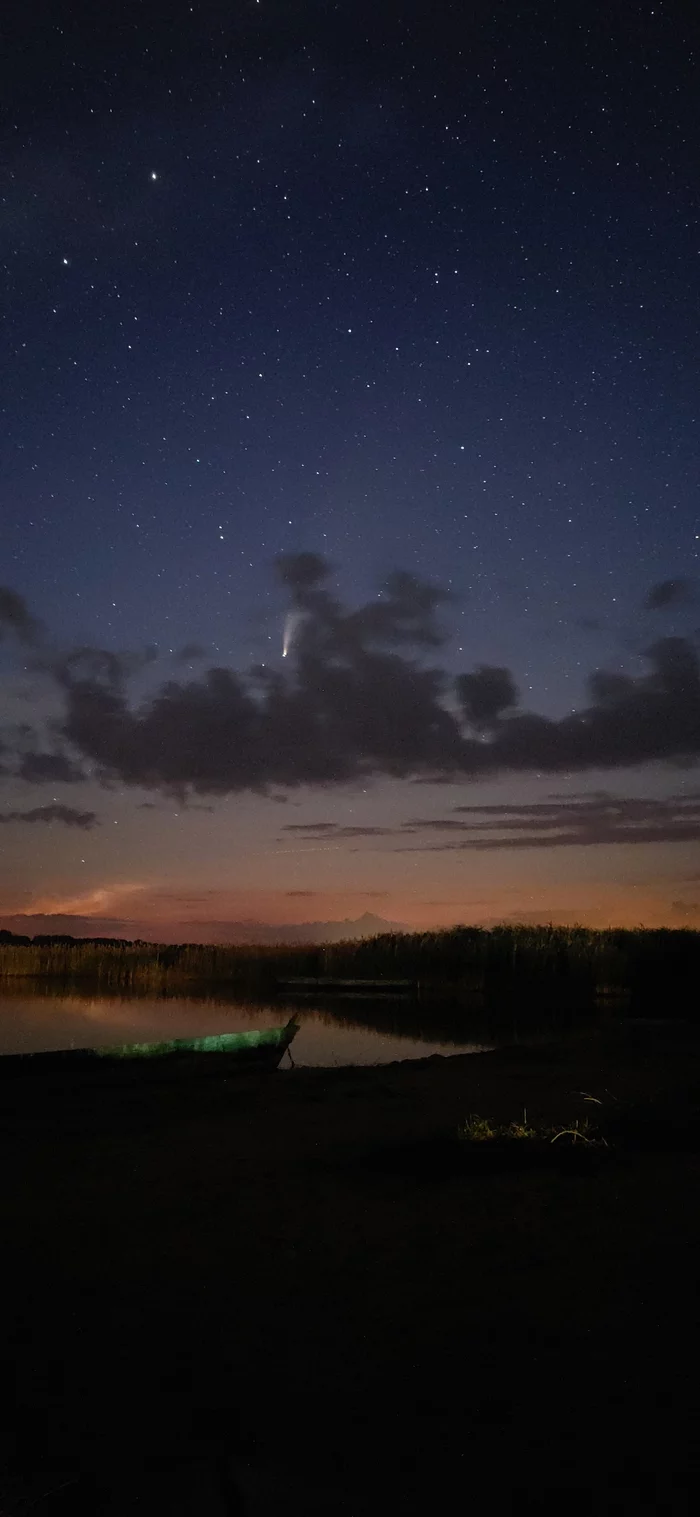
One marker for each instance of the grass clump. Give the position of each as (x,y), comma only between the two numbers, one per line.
(478,1129)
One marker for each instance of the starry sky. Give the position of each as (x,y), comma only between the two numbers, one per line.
(349,497)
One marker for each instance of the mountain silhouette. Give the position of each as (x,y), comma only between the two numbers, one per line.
(33,926)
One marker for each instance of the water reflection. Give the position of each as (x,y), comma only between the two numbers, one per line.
(333,1031)
(367,1032)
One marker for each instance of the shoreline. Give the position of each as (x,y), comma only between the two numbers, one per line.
(240,1270)
(646,1059)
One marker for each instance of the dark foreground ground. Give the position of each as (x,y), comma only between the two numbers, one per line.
(285,1294)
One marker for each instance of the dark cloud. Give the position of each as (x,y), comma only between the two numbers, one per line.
(436,779)
(560,822)
(629,721)
(336,830)
(188,653)
(49,769)
(302,573)
(111,669)
(356,700)
(350,707)
(404,610)
(317,828)
(563,823)
(486,694)
(670,592)
(433,824)
(16,618)
(320,831)
(404,614)
(55,813)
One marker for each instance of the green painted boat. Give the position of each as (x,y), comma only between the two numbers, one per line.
(262,1048)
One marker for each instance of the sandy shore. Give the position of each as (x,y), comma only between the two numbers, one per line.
(265,1276)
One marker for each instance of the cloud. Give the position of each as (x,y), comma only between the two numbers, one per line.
(116,901)
(97,664)
(347,708)
(356,700)
(404,611)
(54,813)
(319,830)
(588,821)
(316,828)
(16,618)
(670,592)
(49,769)
(560,822)
(188,653)
(486,694)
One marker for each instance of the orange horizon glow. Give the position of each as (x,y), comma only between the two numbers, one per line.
(143,909)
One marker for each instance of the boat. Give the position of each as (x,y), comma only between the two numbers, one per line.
(220,1053)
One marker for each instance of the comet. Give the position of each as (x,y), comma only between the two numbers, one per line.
(292,621)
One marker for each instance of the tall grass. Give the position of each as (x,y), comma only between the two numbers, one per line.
(650,965)
(153,965)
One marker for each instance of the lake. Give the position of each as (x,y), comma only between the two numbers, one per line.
(351,1032)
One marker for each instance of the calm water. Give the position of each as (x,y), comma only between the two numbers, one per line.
(366,1033)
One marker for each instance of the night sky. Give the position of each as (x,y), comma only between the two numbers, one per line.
(371,330)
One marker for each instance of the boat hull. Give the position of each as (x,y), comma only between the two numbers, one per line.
(225,1053)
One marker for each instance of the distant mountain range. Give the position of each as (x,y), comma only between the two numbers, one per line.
(366,926)
(31,926)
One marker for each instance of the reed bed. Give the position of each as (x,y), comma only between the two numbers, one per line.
(659,966)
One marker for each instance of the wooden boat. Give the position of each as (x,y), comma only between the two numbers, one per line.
(262,1048)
